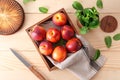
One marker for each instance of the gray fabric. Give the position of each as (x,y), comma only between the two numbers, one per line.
(80,63)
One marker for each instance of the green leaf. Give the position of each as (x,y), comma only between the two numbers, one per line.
(108,41)
(85,19)
(94,24)
(76,5)
(99,4)
(43,9)
(95,12)
(81,21)
(116,37)
(61,42)
(84,30)
(26,1)
(78,13)
(87,12)
(97,55)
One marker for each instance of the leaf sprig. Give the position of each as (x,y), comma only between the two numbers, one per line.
(116,37)
(76,5)
(99,4)
(26,1)
(43,9)
(96,55)
(108,41)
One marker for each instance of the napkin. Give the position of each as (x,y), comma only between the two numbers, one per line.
(80,63)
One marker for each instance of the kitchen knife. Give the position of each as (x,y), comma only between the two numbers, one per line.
(28,65)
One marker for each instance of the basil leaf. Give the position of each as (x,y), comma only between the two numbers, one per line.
(95,12)
(76,5)
(26,1)
(97,55)
(108,41)
(84,30)
(81,21)
(94,24)
(85,19)
(116,37)
(86,11)
(78,13)
(99,4)
(43,9)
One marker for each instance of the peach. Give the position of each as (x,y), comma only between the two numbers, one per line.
(53,35)
(38,33)
(59,19)
(46,48)
(59,53)
(67,32)
(73,45)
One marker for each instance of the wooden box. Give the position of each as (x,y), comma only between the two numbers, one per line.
(47,23)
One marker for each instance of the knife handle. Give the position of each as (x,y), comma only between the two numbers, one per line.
(36,73)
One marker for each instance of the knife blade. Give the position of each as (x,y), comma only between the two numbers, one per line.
(28,65)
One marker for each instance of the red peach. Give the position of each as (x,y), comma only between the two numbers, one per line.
(53,35)
(38,33)
(73,45)
(59,53)
(67,32)
(59,19)
(45,48)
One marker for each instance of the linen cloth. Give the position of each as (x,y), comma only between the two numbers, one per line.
(80,63)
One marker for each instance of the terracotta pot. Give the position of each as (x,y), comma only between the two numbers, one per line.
(79,24)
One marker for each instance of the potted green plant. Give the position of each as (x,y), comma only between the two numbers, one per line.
(87,18)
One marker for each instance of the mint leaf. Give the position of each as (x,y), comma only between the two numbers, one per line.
(76,5)
(43,9)
(97,55)
(99,4)
(26,1)
(116,37)
(108,41)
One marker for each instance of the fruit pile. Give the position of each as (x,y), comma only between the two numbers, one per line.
(55,42)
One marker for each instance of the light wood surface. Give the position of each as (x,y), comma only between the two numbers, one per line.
(12,69)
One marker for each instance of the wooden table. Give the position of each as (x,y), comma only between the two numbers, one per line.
(12,69)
